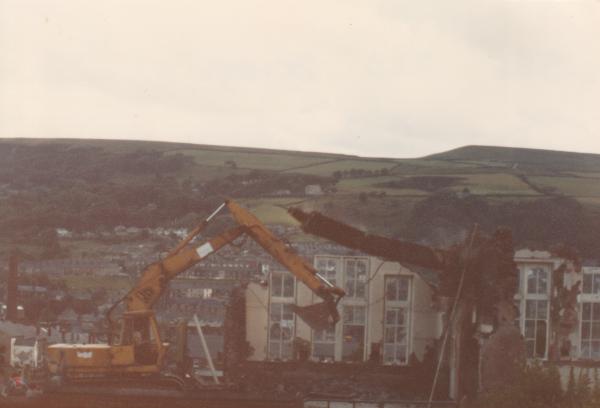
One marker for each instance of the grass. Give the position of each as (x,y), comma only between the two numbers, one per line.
(435,164)
(327,169)
(369,184)
(207,173)
(271,211)
(486,163)
(483,184)
(250,159)
(593,202)
(276,201)
(571,186)
(548,160)
(113,146)
(586,174)
(493,183)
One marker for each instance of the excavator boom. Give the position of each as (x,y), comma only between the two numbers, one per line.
(155,277)
(318,316)
(387,248)
(284,254)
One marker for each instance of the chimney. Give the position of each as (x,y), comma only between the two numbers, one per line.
(11,286)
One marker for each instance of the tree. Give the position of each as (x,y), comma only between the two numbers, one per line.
(535,387)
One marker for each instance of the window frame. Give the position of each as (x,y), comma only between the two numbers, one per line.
(354,323)
(355,281)
(524,295)
(396,305)
(278,299)
(339,278)
(590,298)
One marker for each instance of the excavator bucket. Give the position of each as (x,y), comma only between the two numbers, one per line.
(320,316)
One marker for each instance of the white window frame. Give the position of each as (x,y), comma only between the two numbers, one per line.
(323,263)
(283,301)
(274,290)
(523,296)
(282,326)
(355,322)
(351,284)
(330,268)
(398,306)
(588,297)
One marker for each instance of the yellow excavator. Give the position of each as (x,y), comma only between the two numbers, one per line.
(138,350)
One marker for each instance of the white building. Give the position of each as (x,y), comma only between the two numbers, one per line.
(388,312)
(386,315)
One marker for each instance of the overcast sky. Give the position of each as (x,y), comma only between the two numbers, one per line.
(375,78)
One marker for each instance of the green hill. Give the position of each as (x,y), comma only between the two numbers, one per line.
(532,159)
(546,197)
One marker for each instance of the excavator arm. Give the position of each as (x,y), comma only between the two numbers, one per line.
(284,254)
(156,276)
(318,316)
(486,261)
(387,248)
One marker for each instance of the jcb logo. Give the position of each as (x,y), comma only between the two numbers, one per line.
(145,294)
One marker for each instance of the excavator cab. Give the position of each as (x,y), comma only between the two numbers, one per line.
(140,336)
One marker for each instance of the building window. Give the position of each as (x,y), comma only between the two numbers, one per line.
(324,344)
(590,314)
(356,278)
(348,339)
(537,281)
(281,331)
(534,307)
(282,284)
(327,267)
(536,327)
(590,330)
(281,316)
(397,288)
(396,321)
(353,346)
(324,340)
(591,283)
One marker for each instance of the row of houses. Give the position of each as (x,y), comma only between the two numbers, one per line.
(58,268)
